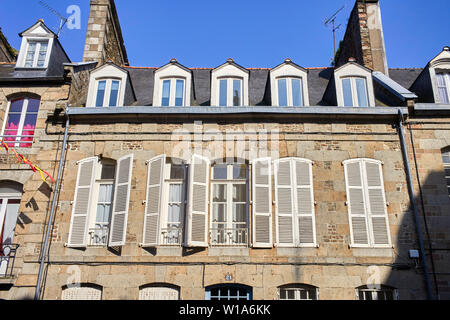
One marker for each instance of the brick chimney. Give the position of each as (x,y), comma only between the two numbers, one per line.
(104,39)
(364,38)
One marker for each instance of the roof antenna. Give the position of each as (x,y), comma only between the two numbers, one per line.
(63,20)
(332,21)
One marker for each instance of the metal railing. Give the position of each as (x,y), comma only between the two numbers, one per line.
(98,236)
(172,236)
(229,237)
(7,259)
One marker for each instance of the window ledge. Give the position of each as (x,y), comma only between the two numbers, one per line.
(373,252)
(228,251)
(297,251)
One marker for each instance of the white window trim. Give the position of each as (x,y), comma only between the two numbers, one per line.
(230,87)
(110,73)
(446,75)
(287,70)
(297,289)
(21,59)
(229,71)
(354,90)
(365,189)
(352,70)
(440,64)
(173,72)
(375,293)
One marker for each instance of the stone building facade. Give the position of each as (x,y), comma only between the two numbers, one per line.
(229,186)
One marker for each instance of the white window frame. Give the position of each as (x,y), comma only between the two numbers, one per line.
(168,292)
(354,90)
(353,70)
(374,292)
(440,64)
(21,122)
(80,292)
(172,91)
(446,76)
(297,289)
(108,72)
(21,59)
(229,182)
(172,71)
(288,70)
(107,96)
(229,70)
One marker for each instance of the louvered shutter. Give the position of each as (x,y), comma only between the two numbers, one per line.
(377,203)
(153,205)
(122,186)
(305,202)
(262,203)
(197,219)
(284,202)
(355,202)
(82,202)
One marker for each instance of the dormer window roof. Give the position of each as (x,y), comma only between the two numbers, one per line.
(229,87)
(440,76)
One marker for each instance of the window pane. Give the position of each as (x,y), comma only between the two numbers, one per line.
(108,171)
(282,93)
(347,91)
(177,171)
(442,88)
(33,105)
(114,93)
(223,93)
(30,54)
(28,130)
(237,93)
(220,193)
(16,106)
(283,295)
(219,213)
(297,94)
(42,54)
(12,127)
(239,193)
(303,295)
(239,215)
(220,171)
(239,171)
(179,93)
(361,89)
(100,93)
(166,93)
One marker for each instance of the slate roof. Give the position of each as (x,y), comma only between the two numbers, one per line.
(406,76)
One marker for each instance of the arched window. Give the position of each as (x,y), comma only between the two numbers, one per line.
(376,292)
(298,292)
(159,292)
(228,292)
(10,196)
(19,128)
(82,292)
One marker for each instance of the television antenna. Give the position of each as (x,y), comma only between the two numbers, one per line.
(332,21)
(63,20)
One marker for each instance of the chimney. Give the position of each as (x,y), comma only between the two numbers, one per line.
(364,38)
(104,39)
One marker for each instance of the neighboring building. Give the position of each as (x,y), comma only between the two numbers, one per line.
(7,53)
(235,183)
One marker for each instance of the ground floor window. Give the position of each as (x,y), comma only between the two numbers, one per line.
(229,292)
(376,293)
(82,292)
(298,292)
(159,292)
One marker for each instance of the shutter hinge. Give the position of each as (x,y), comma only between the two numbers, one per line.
(71,202)
(388,204)
(144,202)
(315,203)
(346,203)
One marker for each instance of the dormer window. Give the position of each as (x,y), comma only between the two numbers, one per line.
(172,85)
(107,93)
(443,86)
(229,87)
(290,92)
(355,92)
(36,54)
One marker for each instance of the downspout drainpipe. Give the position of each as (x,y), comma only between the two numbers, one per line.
(414,205)
(52,211)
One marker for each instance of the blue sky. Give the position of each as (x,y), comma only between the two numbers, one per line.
(255,33)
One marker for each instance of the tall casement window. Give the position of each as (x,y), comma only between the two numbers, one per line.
(230,92)
(354,90)
(36,54)
(159,292)
(10,196)
(165,208)
(229,209)
(366,203)
(173,92)
(82,292)
(376,293)
(228,292)
(298,292)
(443,85)
(100,206)
(294,203)
(20,126)
(290,92)
(446,162)
(107,93)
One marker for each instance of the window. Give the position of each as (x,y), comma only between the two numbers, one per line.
(82,292)
(10,196)
(294,203)
(381,293)
(159,292)
(19,128)
(298,292)
(36,54)
(366,203)
(230,92)
(229,209)
(228,292)
(172,92)
(290,92)
(107,93)
(355,92)
(446,162)
(443,85)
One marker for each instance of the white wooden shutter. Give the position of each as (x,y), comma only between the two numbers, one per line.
(81,293)
(262,203)
(284,202)
(356,203)
(153,205)
(122,186)
(305,202)
(377,210)
(82,202)
(197,218)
